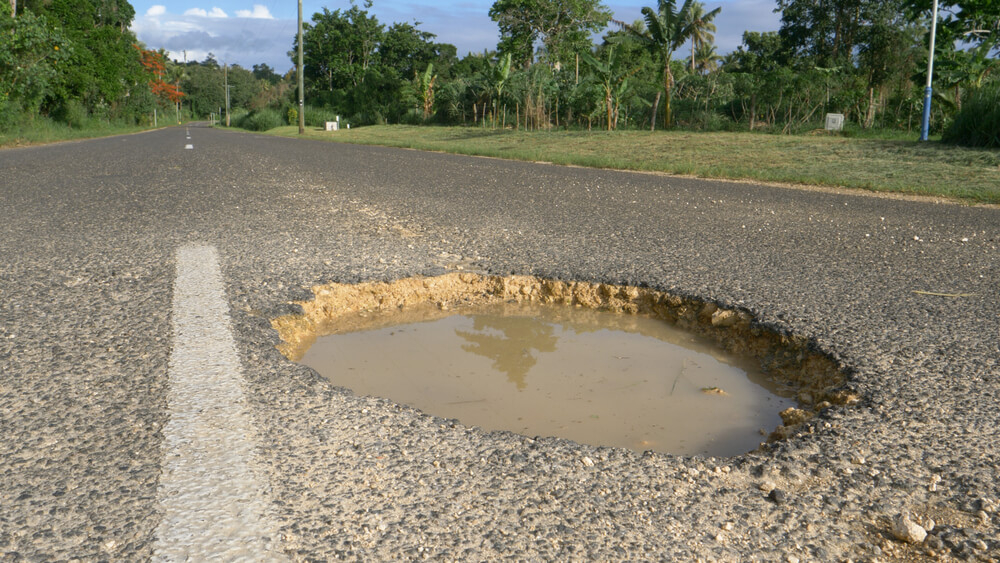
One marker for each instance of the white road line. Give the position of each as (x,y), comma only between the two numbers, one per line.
(212,502)
(189,146)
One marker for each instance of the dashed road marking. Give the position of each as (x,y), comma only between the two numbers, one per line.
(211,499)
(188,146)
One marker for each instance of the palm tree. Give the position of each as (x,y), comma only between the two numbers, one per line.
(705,59)
(667,29)
(700,28)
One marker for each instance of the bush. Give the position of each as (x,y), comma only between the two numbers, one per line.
(236,116)
(413,117)
(261,120)
(72,113)
(978,124)
(318,116)
(11,115)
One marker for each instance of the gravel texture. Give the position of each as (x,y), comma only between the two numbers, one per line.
(88,235)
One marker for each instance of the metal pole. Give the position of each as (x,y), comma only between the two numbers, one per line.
(302,95)
(226,66)
(928,91)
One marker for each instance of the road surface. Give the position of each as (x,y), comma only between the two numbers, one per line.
(146,414)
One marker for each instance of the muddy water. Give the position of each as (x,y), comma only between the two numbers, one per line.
(593,377)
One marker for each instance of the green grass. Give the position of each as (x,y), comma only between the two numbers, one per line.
(43,131)
(882,165)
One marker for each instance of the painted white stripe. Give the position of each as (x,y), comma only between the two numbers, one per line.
(189,146)
(213,504)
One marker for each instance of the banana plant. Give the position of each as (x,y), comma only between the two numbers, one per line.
(427,80)
(499,75)
(613,78)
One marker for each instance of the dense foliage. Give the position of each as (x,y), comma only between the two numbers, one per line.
(978,122)
(74,60)
(865,59)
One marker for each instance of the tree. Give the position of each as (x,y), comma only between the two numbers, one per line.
(243,87)
(706,59)
(266,73)
(205,87)
(427,80)
(339,47)
(760,56)
(613,77)
(103,64)
(826,30)
(885,42)
(558,24)
(499,73)
(154,63)
(31,54)
(407,51)
(700,28)
(973,21)
(667,28)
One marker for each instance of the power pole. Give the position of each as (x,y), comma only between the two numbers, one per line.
(226,66)
(302,95)
(928,91)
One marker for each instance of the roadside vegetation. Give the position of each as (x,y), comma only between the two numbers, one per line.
(652,93)
(73,69)
(660,70)
(43,131)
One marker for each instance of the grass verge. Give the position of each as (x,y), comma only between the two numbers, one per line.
(907,167)
(44,131)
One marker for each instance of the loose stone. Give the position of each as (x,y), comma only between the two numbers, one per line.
(767,486)
(906,530)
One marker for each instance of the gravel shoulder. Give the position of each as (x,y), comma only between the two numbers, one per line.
(87,238)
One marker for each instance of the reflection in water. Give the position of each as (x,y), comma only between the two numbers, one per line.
(508,341)
(597,378)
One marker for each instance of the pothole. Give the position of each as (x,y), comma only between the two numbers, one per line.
(596,363)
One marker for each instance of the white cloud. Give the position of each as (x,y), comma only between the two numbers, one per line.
(213,13)
(258,12)
(156,10)
(252,37)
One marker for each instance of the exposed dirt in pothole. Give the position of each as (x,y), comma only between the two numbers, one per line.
(791,360)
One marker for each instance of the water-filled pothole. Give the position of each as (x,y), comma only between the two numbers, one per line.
(591,376)
(375,323)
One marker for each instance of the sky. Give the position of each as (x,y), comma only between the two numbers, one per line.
(249,32)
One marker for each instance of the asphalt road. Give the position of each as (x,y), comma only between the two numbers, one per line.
(89,239)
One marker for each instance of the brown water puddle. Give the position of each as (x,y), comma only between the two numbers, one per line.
(591,376)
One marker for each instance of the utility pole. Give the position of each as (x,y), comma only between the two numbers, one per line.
(302,95)
(226,66)
(926,125)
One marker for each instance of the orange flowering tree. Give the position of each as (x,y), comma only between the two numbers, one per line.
(155,65)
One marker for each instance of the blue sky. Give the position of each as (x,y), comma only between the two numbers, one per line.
(248,32)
